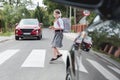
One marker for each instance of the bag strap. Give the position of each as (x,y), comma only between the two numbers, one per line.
(58,23)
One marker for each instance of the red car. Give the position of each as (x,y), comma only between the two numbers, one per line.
(28,28)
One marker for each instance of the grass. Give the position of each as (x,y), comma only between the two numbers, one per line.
(6,34)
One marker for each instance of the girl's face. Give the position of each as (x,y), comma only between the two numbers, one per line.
(56,15)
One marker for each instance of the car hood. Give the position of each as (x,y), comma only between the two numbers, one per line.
(27,27)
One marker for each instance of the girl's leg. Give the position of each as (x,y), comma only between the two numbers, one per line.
(55,52)
(58,53)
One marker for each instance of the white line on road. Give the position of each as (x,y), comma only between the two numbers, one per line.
(115,69)
(79,65)
(82,68)
(103,71)
(6,55)
(64,53)
(35,59)
(64,57)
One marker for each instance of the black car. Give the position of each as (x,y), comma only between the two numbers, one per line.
(108,9)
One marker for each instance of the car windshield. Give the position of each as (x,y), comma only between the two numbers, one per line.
(28,22)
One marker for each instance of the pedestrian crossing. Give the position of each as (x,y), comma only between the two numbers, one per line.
(103,70)
(6,55)
(114,69)
(37,57)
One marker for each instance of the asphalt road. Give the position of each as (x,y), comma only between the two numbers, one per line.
(29,60)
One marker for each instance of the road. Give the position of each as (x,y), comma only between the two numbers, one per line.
(29,60)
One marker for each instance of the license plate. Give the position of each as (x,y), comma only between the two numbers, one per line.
(26,33)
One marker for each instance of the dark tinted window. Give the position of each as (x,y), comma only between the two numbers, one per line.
(29,22)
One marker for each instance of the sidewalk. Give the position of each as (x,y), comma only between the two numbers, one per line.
(6,38)
(72,36)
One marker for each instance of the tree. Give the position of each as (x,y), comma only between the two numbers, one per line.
(51,6)
(12,14)
(38,14)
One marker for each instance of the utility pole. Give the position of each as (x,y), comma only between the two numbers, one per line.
(70,14)
(75,19)
(74,15)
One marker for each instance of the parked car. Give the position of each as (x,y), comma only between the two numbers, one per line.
(28,28)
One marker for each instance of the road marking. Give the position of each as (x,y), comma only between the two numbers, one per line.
(115,69)
(7,55)
(103,71)
(64,55)
(80,65)
(82,68)
(35,59)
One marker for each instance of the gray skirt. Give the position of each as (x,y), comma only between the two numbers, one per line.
(57,40)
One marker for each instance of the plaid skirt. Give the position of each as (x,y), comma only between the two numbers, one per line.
(57,40)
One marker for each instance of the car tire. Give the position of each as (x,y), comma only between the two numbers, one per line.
(87,50)
(68,76)
(16,38)
(39,37)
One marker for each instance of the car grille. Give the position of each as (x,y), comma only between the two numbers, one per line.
(26,30)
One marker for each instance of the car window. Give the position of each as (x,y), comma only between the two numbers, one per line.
(28,22)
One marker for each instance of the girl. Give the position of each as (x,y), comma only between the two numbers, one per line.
(58,37)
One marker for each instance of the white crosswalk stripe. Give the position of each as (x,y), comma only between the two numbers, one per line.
(64,53)
(103,71)
(7,55)
(82,68)
(115,69)
(35,59)
(64,57)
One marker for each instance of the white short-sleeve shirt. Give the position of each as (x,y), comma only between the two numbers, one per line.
(59,23)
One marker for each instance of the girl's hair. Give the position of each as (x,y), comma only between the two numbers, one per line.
(58,12)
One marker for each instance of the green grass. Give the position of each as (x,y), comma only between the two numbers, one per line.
(6,34)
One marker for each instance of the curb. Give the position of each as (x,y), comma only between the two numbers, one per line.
(107,58)
(4,38)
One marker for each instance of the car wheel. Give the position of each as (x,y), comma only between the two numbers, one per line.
(87,50)
(38,37)
(68,76)
(16,38)
(41,37)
